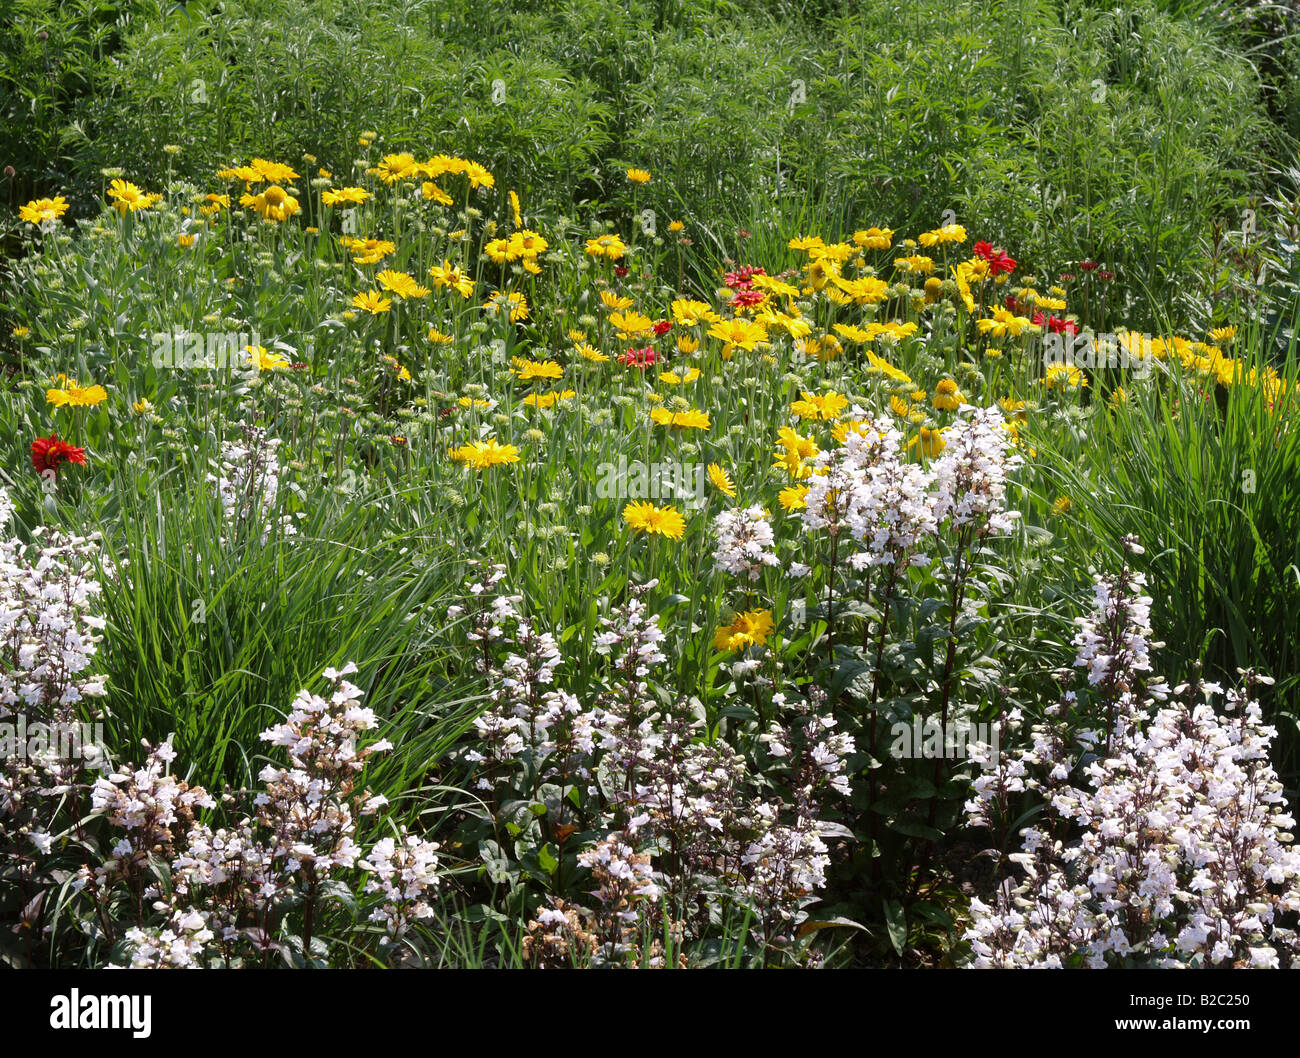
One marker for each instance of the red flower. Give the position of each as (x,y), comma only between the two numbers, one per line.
(747,298)
(638,358)
(1057,326)
(1088,266)
(48,453)
(997,259)
(1105,275)
(1067,277)
(620,271)
(740,278)
(663,327)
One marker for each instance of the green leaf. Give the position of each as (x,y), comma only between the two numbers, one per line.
(896,923)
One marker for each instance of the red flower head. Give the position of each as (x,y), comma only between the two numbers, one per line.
(1056,326)
(741,278)
(1088,266)
(1105,275)
(49,453)
(997,259)
(663,327)
(638,358)
(620,271)
(745,299)
(1067,277)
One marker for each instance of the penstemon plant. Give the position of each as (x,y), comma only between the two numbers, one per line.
(1166,839)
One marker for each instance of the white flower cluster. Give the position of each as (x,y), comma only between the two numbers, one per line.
(745,542)
(894,508)
(177,946)
(404,872)
(1177,849)
(661,782)
(48,635)
(248,479)
(225,882)
(48,639)
(623,876)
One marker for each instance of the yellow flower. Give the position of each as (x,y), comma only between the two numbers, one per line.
(265,360)
(452,277)
(772,285)
(865,291)
(395,167)
(401,284)
(630,323)
(142,407)
(1223,335)
(186,240)
(1118,398)
(1004,322)
(70,394)
(674,379)
(372,301)
(1064,376)
(793,453)
(527,245)
(687,346)
(610,246)
(434,193)
(916,264)
(874,238)
(1014,409)
(129,198)
(547,400)
(527,370)
(949,233)
(794,497)
(40,210)
(1062,506)
(614,301)
(744,333)
(825,348)
(721,480)
(929,441)
(271,204)
(345,196)
(513,304)
(676,226)
(588,352)
(21,332)
(826,407)
(638,176)
(690,313)
(689,419)
(806,243)
(947,397)
(645,517)
(480,455)
(963,274)
(749,629)
(367,251)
